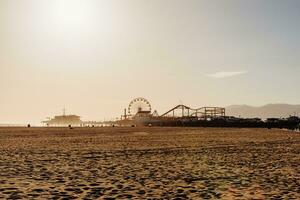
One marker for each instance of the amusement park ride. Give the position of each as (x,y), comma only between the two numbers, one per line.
(138,107)
(140,112)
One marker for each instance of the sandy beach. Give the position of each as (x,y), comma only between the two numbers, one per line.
(149,163)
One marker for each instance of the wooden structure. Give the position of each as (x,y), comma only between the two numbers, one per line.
(182,111)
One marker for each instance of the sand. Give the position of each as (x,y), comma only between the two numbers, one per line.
(149,163)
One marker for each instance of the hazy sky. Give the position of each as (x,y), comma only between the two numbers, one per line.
(94,56)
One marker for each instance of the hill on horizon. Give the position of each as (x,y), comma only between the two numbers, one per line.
(266,111)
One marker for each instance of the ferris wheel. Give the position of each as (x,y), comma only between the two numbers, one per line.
(139,104)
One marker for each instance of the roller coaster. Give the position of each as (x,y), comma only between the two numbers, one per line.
(205,113)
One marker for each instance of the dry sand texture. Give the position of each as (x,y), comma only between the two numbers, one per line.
(149,163)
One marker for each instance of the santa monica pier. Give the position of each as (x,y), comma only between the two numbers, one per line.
(139,112)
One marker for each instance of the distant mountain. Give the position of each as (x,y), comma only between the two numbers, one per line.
(267,111)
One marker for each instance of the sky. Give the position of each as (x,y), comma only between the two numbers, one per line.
(93,56)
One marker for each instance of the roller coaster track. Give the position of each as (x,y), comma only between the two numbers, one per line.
(203,112)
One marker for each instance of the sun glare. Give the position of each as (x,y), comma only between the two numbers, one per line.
(73,14)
